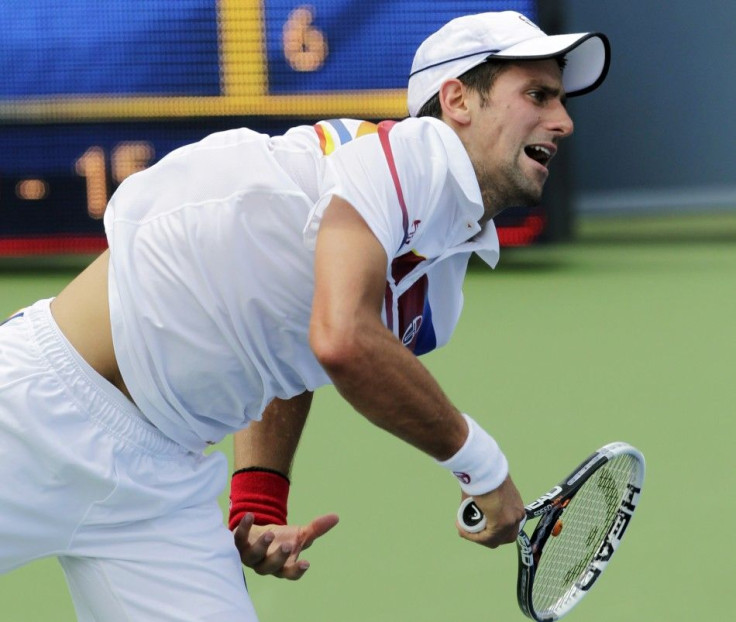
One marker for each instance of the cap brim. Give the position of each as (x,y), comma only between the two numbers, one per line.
(588,57)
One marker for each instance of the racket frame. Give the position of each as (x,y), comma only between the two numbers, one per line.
(549,507)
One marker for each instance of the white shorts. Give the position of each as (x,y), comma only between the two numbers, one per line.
(132,516)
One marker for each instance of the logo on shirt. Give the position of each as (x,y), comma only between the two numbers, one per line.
(411,331)
(412,230)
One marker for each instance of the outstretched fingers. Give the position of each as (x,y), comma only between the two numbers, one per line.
(252,547)
(274,549)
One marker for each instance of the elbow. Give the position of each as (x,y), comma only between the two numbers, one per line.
(337,349)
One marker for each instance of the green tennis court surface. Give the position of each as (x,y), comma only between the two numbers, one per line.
(627,334)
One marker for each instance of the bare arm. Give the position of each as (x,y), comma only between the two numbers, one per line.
(373,371)
(370,367)
(271,444)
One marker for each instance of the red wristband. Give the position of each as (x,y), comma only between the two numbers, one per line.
(262,492)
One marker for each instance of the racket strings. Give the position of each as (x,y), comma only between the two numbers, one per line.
(585,523)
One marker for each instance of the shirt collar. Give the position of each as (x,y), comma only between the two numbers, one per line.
(482,241)
(486,244)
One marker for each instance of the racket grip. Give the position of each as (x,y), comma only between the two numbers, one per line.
(471,518)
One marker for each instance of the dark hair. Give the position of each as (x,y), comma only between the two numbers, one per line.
(479,79)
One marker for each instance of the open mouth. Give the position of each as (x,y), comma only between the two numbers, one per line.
(540,153)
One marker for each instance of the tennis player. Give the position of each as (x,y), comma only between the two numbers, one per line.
(244,272)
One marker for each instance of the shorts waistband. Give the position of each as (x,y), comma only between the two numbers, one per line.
(94,394)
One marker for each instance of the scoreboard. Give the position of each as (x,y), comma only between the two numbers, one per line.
(95,90)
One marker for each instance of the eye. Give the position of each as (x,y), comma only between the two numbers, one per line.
(538,95)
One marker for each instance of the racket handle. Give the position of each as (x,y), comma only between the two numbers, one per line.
(472,520)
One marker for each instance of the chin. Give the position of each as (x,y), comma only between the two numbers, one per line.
(527,191)
(533,194)
(529,199)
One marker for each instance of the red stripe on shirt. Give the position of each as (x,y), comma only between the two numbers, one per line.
(384,127)
(321,135)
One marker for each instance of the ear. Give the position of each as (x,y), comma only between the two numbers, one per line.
(453,97)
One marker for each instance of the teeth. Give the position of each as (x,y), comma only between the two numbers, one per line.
(543,150)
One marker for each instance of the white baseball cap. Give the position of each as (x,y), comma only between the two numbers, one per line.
(468,41)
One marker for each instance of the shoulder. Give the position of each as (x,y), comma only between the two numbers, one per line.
(436,135)
(431,140)
(415,149)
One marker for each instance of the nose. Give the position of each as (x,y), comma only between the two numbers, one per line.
(560,121)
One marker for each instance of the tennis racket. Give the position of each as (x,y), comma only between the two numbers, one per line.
(581,523)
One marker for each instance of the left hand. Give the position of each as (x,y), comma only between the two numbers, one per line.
(274,549)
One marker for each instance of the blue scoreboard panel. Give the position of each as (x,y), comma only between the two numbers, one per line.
(95,90)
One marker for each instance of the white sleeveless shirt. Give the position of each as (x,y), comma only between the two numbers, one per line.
(211,260)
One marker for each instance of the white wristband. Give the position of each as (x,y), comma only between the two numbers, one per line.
(479,465)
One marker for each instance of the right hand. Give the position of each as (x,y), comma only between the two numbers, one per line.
(275,549)
(504,511)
